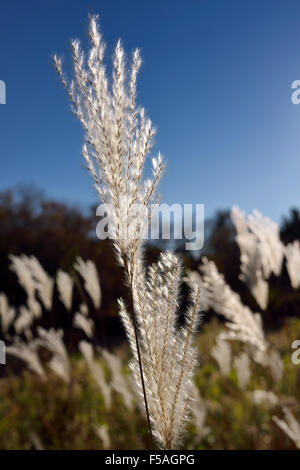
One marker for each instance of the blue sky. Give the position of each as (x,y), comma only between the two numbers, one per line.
(216,81)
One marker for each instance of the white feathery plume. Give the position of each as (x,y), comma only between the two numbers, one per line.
(36,440)
(289,426)
(28,335)
(20,268)
(7,313)
(221,352)
(64,284)
(119,137)
(193,278)
(88,272)
(168,353)
(19,265)
(259,356)
(34,306)
(271,248)
(27,353)
(118,382)
(53,342)
(260,291)
(96,372)
(199,412)
(244,326)
(251,258)
(275,364)
(242,368)
(264,398)
(84,309)
(292,254)
(83,323)
(42,281)
(103,434)
(24,320)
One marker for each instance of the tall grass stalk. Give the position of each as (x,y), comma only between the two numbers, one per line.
(118,138)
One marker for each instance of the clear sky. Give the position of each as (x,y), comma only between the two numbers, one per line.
(216,81)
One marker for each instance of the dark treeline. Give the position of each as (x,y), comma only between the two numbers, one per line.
(57,233)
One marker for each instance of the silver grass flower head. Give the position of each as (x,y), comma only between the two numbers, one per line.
(199,413)
(28,335)
(36,441)
(52,340)
(103,434)
(33,277)
(28,354)
(24,320)
(89,274)
(43,282)
(97,373)
(65,284)
(251,258)
(267,235)
(83,323)
(87,351)
(34,306)
(193,278)
(118,381)
(265,398)
(262,253)
(119,136)
(275,364)
(84,309)
(259,356)
(260,291)
(289,425)
(242,368)
(242,324)
(168,352)
(221,352)
(19,265)
(7,313)
(292,254)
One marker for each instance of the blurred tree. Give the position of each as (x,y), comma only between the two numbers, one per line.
(56,233)
(290,227)
(220,246)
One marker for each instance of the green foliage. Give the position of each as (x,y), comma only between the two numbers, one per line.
(65,416)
